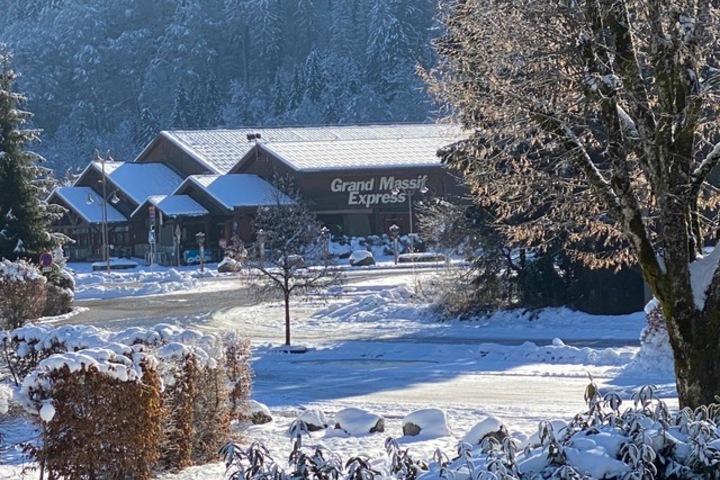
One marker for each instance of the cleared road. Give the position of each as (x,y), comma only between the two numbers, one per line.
(226,304)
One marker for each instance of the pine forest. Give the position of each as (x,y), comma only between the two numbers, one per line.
(108,75)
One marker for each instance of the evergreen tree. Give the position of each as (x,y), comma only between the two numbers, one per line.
(196,105)
(213,103)
(181,109)
(314,77)
(103,62)
(148,128)
(24,217)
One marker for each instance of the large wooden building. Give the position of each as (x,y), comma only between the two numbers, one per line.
(359,180)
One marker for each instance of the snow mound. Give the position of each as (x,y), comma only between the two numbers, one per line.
(429,422)
(492,426)
(357,422)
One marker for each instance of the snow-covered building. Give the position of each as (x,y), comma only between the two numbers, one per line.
(359,180)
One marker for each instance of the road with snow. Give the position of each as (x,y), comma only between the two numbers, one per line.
(229,304)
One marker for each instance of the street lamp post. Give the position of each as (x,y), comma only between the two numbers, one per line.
(325,234)
(409,192)
(104,209)
(395,233)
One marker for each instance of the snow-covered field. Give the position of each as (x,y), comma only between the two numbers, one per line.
(378,348)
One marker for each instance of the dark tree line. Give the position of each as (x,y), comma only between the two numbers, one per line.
(112,73)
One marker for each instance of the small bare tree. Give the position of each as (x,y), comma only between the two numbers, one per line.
(595,123)
(292,250)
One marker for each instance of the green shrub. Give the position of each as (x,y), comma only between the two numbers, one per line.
(60,293)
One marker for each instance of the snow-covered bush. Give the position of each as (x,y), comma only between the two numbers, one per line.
(379,245)
(237,368)
(24,348)
(607,441)
(60,292)
(191,369)
(99,411)
(22,293)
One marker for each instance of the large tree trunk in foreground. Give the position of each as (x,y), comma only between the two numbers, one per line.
(694,339)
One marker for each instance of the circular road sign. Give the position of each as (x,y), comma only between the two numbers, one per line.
(46,259)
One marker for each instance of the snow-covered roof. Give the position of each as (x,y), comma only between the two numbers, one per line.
(321,147)
(237,190)
(357,154)
(174,206)
(141,180)
(77,199)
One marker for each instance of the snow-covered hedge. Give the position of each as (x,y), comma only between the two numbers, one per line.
(22,293)
(99,411)
(185,369)
(379,245)
(607,441)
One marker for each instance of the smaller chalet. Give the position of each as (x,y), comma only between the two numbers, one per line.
(359,180)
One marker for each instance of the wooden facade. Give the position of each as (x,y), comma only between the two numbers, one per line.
(353,201)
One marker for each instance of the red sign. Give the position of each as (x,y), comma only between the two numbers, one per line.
(151,211)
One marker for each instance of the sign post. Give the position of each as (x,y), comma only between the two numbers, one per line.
(151,241)
(395,233)
(46,261)
(177,236)
(200,237)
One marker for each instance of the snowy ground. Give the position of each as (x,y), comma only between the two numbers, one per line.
(376,348)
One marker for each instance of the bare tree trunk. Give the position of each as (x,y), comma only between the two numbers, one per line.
(287,317)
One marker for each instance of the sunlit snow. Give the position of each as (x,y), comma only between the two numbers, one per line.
(375,350)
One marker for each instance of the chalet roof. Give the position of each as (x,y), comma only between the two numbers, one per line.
(237,190)
(140,180)
(320,147)
(174,206)
(77,199)
(358,154)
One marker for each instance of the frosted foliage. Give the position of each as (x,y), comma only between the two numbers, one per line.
(118,355)
(6,394)
(19,271)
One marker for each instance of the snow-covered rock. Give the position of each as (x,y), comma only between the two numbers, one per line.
(491,427)
(314,419)
(259,413)
(428,422)
(358,422)
(229,265)
(361,258)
